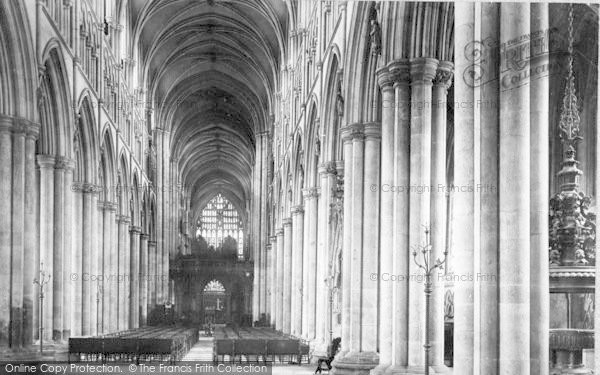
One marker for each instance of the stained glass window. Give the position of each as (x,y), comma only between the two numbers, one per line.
(220,225)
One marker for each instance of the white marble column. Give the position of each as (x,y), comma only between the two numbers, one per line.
(539,239)
(58,248)
(514,206)
(134,273)
(280,277)
(143,300)
(287,276)
(78,224)
(17,260)
(46,164)
(297,249)
(5,227)
(386,251)
(462,251)
(401,255)
(439,218)
(30,228)
(312,274)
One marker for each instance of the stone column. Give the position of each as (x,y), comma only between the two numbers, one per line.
(96,260)
(312,274)
(326,176)
(152,272)
(273,281)
(347,241)
(287,276)
(514,206)
(462,250)
(486,332)
(111,291)
(46,164)
(401,256)
(17,217)
(123,273)
(59,255)
(134,279)
(77,223)
(143,300)
(422,72)
(386,255)
(540,166)
(268,291)
(297,249)
(5,226)
(30,229)
(438,214)
(68,249)
(280,277)
(105,281)
(370,250)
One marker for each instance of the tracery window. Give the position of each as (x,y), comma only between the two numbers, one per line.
(221,226)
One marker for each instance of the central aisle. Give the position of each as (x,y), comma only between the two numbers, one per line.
(202,351)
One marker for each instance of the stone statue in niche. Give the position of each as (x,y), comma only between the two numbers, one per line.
(317,142)
(339,101)
(375,37)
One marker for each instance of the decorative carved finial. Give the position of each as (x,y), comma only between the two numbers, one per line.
(572,225)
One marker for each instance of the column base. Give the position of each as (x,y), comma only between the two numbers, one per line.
(410,370)
(381,369)
(355,363)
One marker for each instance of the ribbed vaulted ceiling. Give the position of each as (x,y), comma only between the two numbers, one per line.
(211,68)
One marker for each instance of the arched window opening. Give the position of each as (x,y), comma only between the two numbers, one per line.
(221,227)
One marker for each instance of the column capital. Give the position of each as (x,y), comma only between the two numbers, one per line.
(400,71)
(46,161)
(62,162)
(273,238)
(385,79)
(122,219)
(144,236)
(268,247)
(297,209)
(443,75)
(353,132)
(278,232)
(90,188)
(287,222)
(423,70)
(110,206)
(135,229)
(6,123)
(311,193)
(372,130)
(327,168)
(151,243)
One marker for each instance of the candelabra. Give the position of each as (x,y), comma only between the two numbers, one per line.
(41,281)
(428,269)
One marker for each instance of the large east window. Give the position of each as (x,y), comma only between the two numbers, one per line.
(221,227)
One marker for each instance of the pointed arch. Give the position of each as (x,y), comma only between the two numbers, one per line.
(85,145)
(54,103)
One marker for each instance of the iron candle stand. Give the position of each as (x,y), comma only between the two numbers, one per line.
(428,269)
(41,281)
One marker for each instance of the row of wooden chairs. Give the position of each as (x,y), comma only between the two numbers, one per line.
(160,345)
(260,350)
